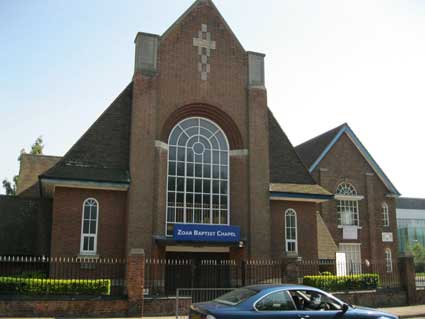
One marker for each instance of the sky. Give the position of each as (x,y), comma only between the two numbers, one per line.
(327,62)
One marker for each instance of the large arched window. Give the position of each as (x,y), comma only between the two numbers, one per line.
(291,245)
(385,215)
(347,205)
(198,174)
(89,225)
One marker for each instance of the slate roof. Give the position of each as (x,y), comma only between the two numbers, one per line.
(102,153)
(314,150)
(285,164)
(310,150)
(299,189)
(411,203)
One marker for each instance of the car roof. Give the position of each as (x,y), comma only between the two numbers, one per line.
(261,287)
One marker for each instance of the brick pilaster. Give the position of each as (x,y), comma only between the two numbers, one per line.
(291,266)
(259,201)
(408,277)
(374,238)
(135,281)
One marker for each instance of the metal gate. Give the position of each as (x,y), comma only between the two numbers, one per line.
(187,296)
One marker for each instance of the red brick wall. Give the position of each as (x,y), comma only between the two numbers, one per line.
(159,101)
(67,215)
(306,224)
(64,308)
(345,163)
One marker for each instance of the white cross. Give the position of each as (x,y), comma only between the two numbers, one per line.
(205,45)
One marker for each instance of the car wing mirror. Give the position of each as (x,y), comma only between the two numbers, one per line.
(344,308)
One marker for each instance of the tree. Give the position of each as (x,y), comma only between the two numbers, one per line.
(9,188)
(36,149)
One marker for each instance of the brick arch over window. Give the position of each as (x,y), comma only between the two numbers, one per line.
(210,112)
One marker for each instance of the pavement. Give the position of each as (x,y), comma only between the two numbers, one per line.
(407,311)
(403,312)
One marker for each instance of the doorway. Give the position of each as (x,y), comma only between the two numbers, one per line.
(197,270)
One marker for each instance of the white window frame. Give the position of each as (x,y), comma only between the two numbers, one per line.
(385,215)
(182,211)
(388,260)
(347,205)
(290,212)
(353,257)
(83,235)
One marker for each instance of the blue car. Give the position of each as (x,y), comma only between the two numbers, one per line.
(280,301)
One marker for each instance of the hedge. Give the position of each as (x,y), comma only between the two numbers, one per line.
(32,286)
(343,283)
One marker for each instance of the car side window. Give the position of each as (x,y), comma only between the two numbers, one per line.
(276,301)
(313,301)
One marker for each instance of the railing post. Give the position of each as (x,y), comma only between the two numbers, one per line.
(408,277)
(292,270)
(177,302)
(243,272)
(135,281)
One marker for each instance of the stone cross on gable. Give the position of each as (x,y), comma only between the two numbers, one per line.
(205,45)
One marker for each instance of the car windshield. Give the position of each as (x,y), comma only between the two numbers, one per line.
(236,296)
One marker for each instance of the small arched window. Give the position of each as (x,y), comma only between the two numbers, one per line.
(388,260)
(347,205)
(89,225)
(385,215)
(291,245)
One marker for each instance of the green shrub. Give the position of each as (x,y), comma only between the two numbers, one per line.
(343,283)
(32,274)
(325,273)
(34,286)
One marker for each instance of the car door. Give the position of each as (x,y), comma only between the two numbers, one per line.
(277,304)
(314,304)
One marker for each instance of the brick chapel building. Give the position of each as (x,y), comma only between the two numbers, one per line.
(187,161)
(361,220)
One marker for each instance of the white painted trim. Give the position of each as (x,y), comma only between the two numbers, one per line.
(349,197)
(296,232)
(198,249)
(293,199)
(257,87)
(392,195)
(161,144)
(211,178)
(388,257)
(241,152)
(86,184)
(363,151)
(82,251)
(385,214)
(342,226)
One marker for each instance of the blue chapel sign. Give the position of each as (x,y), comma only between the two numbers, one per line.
(206,233)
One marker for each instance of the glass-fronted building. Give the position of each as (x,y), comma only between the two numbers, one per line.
(410,222)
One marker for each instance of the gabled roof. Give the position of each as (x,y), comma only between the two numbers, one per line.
(285,165)
(313,151)
(196,4)
(102,153)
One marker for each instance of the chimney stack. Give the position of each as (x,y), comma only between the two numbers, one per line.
(146,53)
